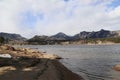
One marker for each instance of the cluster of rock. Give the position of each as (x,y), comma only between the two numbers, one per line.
(24,52)
(29,64)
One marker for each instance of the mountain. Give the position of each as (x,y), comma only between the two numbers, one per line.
(98,34)
(58,36)
(10,36)
(39,38)
(61,36)
(55,39)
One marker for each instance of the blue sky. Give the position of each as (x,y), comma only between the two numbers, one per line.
(114,4)
(29,19)
(48,17)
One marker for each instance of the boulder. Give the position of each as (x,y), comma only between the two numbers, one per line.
(6,47)
(51,56)
(117,67)
(5,56)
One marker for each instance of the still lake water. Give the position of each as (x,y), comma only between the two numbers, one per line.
(92,62)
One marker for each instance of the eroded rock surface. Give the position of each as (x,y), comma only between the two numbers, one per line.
(28,64)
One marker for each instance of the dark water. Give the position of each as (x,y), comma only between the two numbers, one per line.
(93,62)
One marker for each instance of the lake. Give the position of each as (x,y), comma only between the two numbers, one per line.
(92,62)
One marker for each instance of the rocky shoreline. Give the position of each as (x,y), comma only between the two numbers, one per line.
(28,64)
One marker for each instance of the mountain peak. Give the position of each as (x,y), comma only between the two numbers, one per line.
(12,36)
(61,34)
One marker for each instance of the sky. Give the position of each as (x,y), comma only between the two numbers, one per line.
(48,17)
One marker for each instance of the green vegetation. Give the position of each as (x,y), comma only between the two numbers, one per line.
(82,41)
(115,40)
(96,40)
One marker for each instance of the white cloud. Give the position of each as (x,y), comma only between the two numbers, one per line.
(115,13)
(70,17)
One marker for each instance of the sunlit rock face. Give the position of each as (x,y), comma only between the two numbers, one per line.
(117,67)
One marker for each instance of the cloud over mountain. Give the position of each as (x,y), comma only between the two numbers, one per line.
(30,17)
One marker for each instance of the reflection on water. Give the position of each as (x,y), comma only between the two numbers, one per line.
(93,62)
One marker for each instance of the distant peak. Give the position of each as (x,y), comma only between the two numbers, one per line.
(102,30)
(61,36)
(60,33)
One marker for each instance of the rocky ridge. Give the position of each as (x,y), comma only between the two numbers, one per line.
(61,37)
(11,36)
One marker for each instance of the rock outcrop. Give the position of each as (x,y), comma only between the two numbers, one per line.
(117,67)
(98,34)
(24,52)
(28,64)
